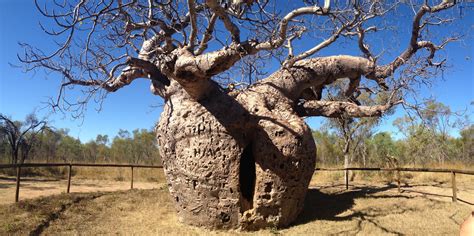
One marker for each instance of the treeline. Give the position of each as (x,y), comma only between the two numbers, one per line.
(422,146)
(56,145)
(427,140)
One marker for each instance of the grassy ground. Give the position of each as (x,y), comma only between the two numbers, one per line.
(371,208)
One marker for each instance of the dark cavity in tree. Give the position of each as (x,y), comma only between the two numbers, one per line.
(247,178)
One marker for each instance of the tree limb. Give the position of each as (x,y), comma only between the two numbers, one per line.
(277,41)
(337,109)
(207,35)
(413,46)
(193,19)
(229,25)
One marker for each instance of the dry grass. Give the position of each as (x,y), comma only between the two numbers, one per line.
(119,174)
(372,210)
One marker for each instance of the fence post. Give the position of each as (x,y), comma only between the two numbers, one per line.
(131,185)
(347,178)
(453,182)
(398,180)
(69,178)
(18,174)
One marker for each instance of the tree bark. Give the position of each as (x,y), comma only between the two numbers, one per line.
(237,160)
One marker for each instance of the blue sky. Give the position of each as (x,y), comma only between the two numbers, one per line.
(135,107)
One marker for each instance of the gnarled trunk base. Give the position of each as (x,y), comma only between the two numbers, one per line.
(236,161)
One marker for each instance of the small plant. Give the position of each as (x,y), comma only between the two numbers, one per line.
(274,231)
(8,227)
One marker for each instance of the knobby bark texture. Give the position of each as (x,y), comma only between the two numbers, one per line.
(244,158)
(236,160)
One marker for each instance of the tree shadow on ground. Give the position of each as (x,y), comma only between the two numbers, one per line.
(326,206)
(92,185)
(437,195)
(7,185)
(36,188)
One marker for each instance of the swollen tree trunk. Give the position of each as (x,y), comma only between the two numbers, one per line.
(238,160)
(244,159)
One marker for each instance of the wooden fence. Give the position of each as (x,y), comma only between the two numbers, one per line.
(398,170)
(131,166)
(70,165)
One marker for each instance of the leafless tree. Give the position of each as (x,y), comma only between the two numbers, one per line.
(238,156)
(21,136)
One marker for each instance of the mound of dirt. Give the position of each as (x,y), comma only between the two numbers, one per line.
(328,210)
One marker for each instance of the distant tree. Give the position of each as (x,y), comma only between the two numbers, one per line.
(47,144)
(428,134)
(21,136)
(467,142)
(382,149)
(91,150)
(145,143)
(140,146)
(102,139)
(353,131)
(70,149)
(328,151)
(102,150)
(4,146)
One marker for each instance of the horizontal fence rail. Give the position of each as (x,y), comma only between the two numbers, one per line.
(70,165)
(132,166)
(404,169)
(3,166)
(466,172)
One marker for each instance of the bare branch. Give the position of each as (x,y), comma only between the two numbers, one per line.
(337,109)
(325,43)
(229,25)
(207,35)
(387,70)
(362,46)
(283,26)
(193,17)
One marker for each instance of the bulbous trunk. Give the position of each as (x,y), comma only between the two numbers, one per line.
(235,160)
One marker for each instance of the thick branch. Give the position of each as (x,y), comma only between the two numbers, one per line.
(212,63)
(335,109)
(150,68)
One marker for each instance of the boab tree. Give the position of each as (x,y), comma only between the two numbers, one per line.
(235,156)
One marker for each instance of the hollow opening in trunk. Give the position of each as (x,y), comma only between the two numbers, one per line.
(247,178)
